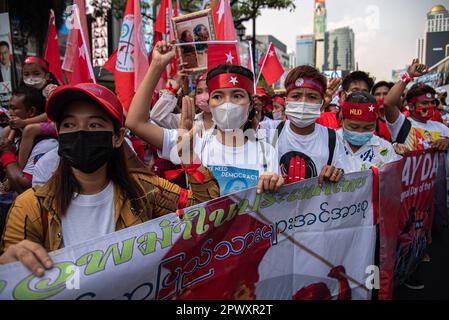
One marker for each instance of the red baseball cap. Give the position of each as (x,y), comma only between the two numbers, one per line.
(102,96)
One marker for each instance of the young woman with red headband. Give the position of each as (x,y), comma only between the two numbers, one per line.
(418,132)
(238,161)
(360,111)
(305,148)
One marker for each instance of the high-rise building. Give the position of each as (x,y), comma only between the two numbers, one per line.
(319,19)
(292,60)
(437,34)
(305,49)
(421,52)
(438,19)
(339,49)
(320,54)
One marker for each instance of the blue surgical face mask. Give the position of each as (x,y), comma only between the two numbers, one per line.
(357,138)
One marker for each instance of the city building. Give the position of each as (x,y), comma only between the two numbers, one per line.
(292,60)
(437,35)
(319,51)
(305,49)
(421,50)
(319,18)
(339,50)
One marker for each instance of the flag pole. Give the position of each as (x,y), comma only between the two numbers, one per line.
(89,62)
(250,56)
(206,42)
(263,63)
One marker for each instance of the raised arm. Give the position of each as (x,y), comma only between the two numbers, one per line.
(392,101)
(137,118)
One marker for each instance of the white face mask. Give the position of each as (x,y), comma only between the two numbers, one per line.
(230,116)
(302,114)
(278,115)
(37,83)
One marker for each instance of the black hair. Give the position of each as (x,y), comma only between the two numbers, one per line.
(32,97)
(197,28)
(418,89)
(361,97)
(380,84)
(4,43)
(357,76)
(183,35)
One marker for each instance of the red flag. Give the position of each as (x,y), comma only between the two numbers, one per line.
(52,54)
(223,21)
(221,53)
(176,10)
(163,21)
(270,66)
(82,67)
(77,20)
(110,63)
(131,58)
(164,31)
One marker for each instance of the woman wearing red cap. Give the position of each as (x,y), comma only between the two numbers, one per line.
(360,111)
(237,161)
(92,192)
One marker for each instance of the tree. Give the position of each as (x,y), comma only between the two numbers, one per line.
(31,20)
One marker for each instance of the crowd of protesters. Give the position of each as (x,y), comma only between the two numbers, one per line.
(75,166)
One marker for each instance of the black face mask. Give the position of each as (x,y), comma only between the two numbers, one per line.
(86,151)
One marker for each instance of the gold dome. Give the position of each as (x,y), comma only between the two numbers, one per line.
(437,8)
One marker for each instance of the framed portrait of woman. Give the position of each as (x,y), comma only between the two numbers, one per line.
(189,29)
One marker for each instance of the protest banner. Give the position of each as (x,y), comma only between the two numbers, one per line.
(407,203)
(303,242)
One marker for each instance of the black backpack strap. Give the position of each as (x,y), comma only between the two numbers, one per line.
(279,129)
(331,144)
(405,130)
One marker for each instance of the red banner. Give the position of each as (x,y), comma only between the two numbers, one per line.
(405,217)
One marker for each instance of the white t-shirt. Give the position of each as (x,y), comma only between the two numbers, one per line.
(45,168)
(421,135)
(375,152)
(162,114)
(39,150)
(88,217)
(313,148)
(235,168)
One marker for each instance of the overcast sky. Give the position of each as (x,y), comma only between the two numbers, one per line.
(386,31)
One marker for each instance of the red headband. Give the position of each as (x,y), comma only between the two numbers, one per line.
(360,111)
(36,60)
(306,83)
(230,80)
(425,96)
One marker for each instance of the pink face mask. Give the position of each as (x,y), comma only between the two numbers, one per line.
(202,101)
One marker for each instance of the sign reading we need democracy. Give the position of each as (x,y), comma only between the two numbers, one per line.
(303,242)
